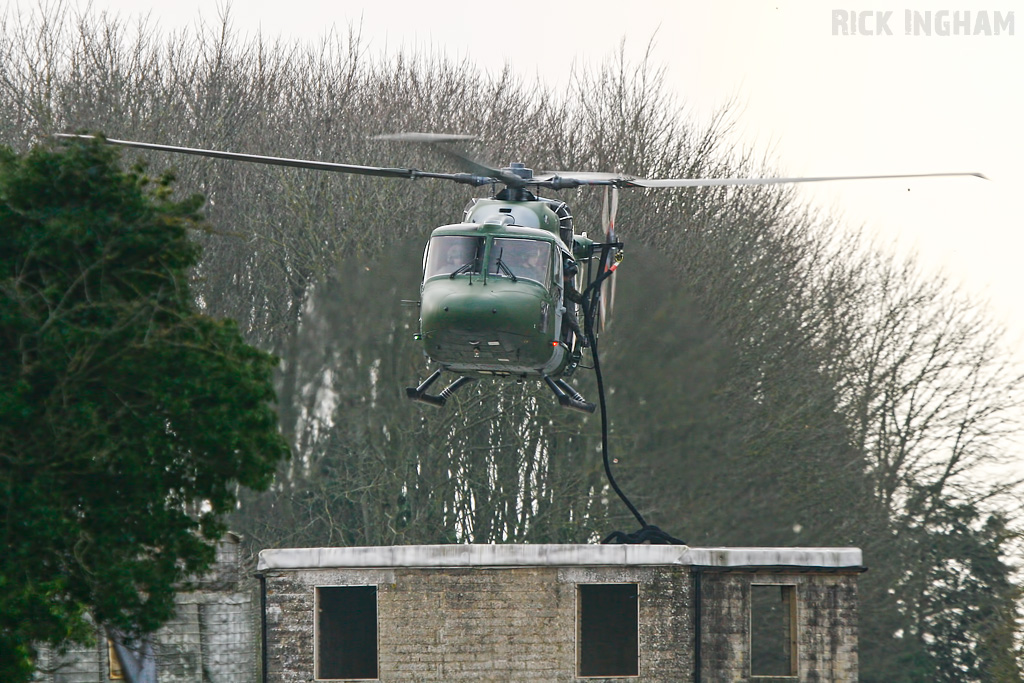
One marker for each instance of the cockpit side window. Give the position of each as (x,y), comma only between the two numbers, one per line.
(448,254)
(521,258)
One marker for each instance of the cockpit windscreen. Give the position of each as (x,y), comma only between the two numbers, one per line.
(520,258)
(448,254)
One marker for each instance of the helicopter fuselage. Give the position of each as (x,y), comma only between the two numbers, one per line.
(492,297)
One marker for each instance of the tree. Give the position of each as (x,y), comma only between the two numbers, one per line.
(127,419)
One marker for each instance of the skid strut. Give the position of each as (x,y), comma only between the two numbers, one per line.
(569,397)
(420,393)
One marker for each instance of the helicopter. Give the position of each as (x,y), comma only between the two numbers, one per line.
(503,289)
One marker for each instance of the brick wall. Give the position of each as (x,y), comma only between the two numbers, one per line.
(510,612)
(482,624)
(826,606)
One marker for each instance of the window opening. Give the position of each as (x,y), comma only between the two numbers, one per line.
(773,637)
(346,638)
(607,640)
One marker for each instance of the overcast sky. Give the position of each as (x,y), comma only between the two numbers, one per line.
(824,103)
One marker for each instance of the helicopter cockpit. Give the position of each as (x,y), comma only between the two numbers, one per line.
(512,258)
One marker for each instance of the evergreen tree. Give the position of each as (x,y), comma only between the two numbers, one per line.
(127,419)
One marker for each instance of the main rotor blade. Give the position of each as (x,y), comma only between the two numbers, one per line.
(430,138)
(409,173)
(705,182)
(562,180)
(481,174)
(568,179)
(462,158)
(583,176)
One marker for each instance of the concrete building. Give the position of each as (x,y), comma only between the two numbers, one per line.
(560,613)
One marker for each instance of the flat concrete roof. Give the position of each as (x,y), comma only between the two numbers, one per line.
(562,555)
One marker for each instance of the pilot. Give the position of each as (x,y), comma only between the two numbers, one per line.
(454,256)
(534,264)
(460,255)
(515,257)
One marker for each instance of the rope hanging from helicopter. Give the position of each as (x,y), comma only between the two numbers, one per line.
(591,305)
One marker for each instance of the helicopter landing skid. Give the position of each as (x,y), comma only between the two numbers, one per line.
(420,393)
(569,397)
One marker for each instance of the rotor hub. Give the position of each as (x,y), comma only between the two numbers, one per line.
(518,168)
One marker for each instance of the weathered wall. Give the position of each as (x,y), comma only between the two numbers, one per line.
(826,626)
(83,664)
(482,624)
(213,636)
(505,613)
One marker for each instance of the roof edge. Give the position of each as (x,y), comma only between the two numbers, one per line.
(555,555)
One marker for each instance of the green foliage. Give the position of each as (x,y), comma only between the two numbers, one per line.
(127,419)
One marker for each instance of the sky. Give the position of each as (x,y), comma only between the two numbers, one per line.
(823,90)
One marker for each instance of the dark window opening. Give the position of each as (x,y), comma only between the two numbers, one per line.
(773,636)
(346,624)
(608,642)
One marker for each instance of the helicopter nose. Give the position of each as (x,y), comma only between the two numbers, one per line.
(511,312)
(501,325)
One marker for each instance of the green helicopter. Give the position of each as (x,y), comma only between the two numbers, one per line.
(501,293)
